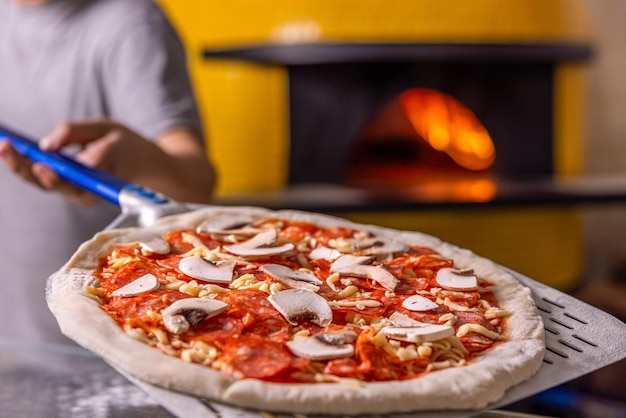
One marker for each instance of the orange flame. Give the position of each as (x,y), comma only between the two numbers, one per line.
(450,127)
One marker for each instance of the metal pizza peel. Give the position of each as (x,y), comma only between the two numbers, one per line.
(579,338)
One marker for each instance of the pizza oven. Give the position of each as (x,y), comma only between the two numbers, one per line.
(346,109)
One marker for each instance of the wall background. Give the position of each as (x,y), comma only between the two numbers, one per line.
(605,132)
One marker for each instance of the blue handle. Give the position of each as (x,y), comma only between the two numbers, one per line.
(98,182)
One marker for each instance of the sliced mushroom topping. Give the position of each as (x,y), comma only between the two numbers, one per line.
(388,246)
(183,313)
(453,279)
(145,283)
(427,332)
(355,266)
(378,245)
(259,245)
(292,278)
(348,260)
(401,320)
(344,336)
(405,328)
(153,243)
(298,304)
(417,303)
(263,238)
(325,253)
(227,224)
(375,273)
(316,349)
(259,252)
(205,270)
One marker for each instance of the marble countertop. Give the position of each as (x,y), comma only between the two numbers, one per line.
(53,380)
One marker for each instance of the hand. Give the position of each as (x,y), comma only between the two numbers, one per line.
(175,164)
(42,176)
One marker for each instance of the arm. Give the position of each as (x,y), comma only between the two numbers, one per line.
(194,176)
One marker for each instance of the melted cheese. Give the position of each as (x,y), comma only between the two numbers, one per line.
(479,329)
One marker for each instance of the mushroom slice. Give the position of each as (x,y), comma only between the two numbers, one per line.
(225,221)
(405,328)
(205,270)
(263,238)
(292,278)
(259,245)
(375,273)
(297,304)
(259,252)
(183,313)
(454,279)
(343,336)
(153,243)
(322,252)
(228,223)
(145,283)
(378,245)
(417,303)
(316,349)
(401,320)
(427,332)
(348,260)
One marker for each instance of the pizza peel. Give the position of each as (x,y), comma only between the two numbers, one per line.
(579,338)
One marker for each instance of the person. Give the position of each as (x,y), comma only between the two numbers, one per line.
(107,81)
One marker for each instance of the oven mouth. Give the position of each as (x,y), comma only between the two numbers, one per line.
(420,135)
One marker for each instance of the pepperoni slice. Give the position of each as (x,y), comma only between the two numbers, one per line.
(475,343)
(296,233)
(472,341)
(421,262)
(275,328)
(135,310)
(216,330)
(170,263)
(243,303)
(127,273)
(373,364)
(256,314)
(472,318)
(256,357)
(178,244)
(345,367)
(325,235)
(409,286)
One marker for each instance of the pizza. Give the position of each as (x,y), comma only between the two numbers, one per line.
(289,311)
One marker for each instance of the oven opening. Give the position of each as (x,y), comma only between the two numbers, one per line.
(423,137)
(414,124)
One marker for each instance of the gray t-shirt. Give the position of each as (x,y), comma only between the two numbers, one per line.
(73,60)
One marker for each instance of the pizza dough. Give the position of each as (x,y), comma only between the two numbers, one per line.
(483,381)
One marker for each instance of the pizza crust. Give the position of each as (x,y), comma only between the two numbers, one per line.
(481,382)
